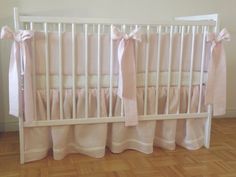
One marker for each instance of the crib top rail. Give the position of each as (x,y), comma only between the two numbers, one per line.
(107,21)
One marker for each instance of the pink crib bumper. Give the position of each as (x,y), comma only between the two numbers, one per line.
(216,83)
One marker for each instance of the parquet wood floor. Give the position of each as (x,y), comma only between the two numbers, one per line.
(218,161)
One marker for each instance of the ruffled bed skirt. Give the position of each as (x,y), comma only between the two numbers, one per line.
(92,139)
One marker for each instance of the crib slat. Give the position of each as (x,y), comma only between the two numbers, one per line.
(146,70)
(166,29)
(158,68)
(111,73)
(123,29)
(169,70)
(136,52)
(47,71)
(202,67)
(60,68)
(180,67)
(86,68)
(98,69)
(191,68)
(34,71)
(73,70)
(202,28)
(188,29)
(122,108)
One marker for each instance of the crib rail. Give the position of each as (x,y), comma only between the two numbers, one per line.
(114,119)
(69,20)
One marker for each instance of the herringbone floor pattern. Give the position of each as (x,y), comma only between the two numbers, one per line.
(218,161)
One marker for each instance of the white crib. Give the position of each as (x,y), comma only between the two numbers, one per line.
(157,78)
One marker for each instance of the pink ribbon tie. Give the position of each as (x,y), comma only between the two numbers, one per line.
(19,49)
(216,84)
(127,73)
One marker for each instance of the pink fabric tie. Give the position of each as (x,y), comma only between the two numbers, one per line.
(216,84)
(19,49)
(127,73)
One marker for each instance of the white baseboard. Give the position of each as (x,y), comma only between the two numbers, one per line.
(230,113)
(9,126)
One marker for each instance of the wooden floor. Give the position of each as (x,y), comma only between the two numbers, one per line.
(218,161)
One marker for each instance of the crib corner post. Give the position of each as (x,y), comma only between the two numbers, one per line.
(16,18)
(22,142)
(20,77)
(208,127)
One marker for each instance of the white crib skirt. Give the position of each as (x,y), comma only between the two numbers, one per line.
(94,138)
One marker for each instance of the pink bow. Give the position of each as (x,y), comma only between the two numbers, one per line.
(127,73)
(19,49)
(216,84)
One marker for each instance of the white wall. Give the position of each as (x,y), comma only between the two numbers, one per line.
(7,123)
(153,9)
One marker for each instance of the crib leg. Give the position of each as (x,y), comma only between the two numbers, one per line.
(21,86)
(21,136)
(208,127)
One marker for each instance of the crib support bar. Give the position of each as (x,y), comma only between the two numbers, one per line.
(113,119)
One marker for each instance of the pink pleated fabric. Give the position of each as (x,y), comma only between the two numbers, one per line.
(92,140)
(216,84)
(20,48)
(127,73)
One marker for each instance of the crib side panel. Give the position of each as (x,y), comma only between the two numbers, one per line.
(76,63)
